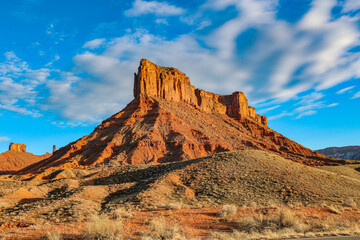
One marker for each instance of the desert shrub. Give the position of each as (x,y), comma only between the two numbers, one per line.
(159,230)
(121,213)
(227,211)
(287,219)
(284,219)
(350,203)
(100,227)
(54,236)
(174,206)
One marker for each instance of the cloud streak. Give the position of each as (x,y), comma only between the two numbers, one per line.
(162,9)
(4,139)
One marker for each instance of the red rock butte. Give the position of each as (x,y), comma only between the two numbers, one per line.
(170,120)
(172,85)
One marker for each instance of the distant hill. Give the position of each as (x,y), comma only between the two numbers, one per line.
(349,152)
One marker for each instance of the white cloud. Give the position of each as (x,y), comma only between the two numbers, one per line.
(104,90)
(357,95)
(161,21)
(318,15)
(252,13)
(344,90)
(18,85)
(310,103)
(141,7)
(307,113)
(266,110)
(351,5)
(283,61)
(281,115)
(55,59)
(94,43)
(4,139)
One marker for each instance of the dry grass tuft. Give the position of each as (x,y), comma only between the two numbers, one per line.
(159,230)
(350,203)
(286,224)
(227,211)
(287,219)
(54,236)
(121,213)
(100,227)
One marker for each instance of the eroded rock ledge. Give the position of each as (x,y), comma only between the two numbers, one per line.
(171,84)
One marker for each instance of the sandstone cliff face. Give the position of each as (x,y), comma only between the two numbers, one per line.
(17,147)
(169,120)
(172,85)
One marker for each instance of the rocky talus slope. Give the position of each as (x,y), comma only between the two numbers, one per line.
(169,121)
(17,158)
(349,152)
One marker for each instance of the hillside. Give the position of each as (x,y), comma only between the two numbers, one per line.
(243,177)
(240,177)
(349,152)
(169,121)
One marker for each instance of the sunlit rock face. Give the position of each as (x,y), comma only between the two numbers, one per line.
(17,147)
(170,84)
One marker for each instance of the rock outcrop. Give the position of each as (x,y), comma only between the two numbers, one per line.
(172,85)
(169,120)
(17,147)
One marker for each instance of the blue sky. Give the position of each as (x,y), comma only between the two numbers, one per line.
(66,65)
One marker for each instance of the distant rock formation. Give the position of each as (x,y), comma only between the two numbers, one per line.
(17,158)
(168,121)
(54,148)
(17,147)
(348,152)
(172,85)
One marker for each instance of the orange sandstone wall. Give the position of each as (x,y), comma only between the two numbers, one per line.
(171,84)
(18,147)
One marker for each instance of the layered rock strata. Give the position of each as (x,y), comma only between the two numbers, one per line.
(172,85)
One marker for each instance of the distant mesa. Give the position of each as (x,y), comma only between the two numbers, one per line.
(17,158)
(170,120)
(18,147)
